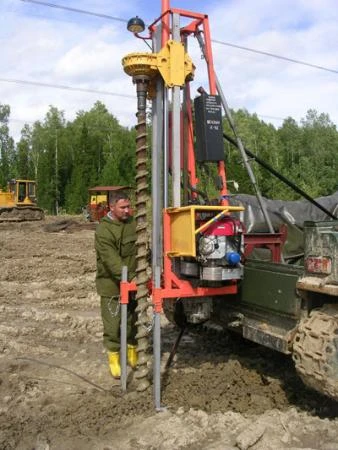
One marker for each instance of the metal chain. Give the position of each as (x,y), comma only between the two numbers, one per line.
(149,327)
(117,309)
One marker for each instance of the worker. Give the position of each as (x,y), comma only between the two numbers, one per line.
(115,239)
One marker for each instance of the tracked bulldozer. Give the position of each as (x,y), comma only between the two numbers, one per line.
(18,202)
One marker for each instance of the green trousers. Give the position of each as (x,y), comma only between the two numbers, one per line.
(111,319)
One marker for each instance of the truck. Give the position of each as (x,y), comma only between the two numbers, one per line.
(289,307)
(19,203)
(207,263)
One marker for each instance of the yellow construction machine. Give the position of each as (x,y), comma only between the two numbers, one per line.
(98,205)
(18,202)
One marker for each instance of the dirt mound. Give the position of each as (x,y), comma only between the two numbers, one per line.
(68,225)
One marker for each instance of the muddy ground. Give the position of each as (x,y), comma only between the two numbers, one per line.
(56,391)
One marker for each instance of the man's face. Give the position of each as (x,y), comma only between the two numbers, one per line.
(121,209)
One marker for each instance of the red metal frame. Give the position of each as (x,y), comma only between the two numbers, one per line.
(172,286)
(193,28)
(125,288)
(190,144)
(271,241)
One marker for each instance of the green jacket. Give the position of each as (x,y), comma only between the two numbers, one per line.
(115,247)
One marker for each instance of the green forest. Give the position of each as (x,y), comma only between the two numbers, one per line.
(68,157)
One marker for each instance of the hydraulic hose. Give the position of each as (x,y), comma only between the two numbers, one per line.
(281,177)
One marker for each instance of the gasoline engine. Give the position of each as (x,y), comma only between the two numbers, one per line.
(218,260)
(219,250)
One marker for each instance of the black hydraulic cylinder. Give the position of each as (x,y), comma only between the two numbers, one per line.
(282,178)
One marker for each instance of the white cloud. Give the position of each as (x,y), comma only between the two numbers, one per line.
(58,47)
(296,29)
(97,57)
(63,53)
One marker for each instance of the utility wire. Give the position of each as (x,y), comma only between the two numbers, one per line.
(89,127)
(229,44)
(273,55)
(82,11)
(271,117)
(61,86)
(92,91)
(14,119)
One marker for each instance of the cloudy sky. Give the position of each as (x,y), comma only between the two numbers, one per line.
(57,47)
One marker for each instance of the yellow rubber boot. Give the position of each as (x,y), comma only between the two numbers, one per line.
(114,364)
(132,356)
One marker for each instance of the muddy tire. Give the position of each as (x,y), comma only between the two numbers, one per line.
(315,350)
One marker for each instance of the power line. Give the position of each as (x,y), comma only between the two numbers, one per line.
(68,88)
(89,127)
(110,129)
(271,117)
(273,55)
(81,11)
(229,44)
(10,119)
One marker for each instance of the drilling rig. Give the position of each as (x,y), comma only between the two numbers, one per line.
(200,264)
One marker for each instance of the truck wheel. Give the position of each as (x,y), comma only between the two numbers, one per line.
(315,350)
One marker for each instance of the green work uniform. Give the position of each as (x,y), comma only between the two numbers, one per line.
(115,247)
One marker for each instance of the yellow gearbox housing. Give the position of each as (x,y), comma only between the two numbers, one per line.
(145,64)
(172,62)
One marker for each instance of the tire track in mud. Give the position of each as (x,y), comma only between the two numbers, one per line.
(219,372)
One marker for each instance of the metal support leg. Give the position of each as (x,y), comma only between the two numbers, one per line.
(176,127)
(123,337)
(157,361)
(157,345)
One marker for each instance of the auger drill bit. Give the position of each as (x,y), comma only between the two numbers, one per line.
(142,371)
